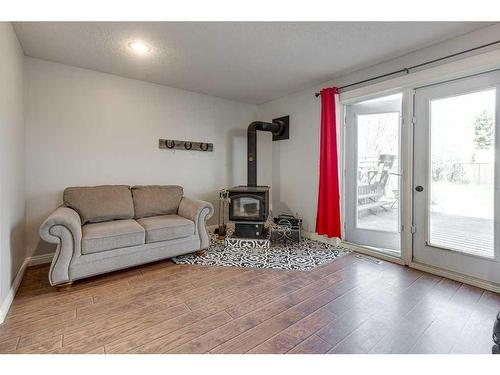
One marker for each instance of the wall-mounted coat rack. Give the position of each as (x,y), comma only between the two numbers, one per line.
(173,144)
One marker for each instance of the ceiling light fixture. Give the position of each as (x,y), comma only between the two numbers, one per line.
(139,47)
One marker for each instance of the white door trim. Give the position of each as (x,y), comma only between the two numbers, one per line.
(406,181)
(352,232)
(424,251)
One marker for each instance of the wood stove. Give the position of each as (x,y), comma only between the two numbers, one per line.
(249,209)
(249,205)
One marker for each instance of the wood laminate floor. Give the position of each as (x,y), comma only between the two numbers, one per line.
(351,305)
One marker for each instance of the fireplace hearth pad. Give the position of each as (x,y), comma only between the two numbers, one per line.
(302,256)
(233,240)
(247,243)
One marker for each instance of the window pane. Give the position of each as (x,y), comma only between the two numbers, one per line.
(378,166)
(462,173)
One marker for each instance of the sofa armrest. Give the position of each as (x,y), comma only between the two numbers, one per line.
(64,216)
(197,211)
(64,228)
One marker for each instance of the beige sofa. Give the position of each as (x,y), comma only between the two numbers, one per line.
(107,228)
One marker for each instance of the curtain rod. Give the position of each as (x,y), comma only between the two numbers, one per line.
(407,70)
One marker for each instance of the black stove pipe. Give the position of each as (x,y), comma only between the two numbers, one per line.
(276,128)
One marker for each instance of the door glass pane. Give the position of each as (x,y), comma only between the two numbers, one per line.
(378,171)
(462,155)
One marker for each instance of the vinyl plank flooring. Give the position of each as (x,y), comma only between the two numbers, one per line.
(351,305)
(166,342)
(91,338)
(403,334)
(256,316)
(9,345)
(475,337)
(292,336)
(441,335)
(99,323)
(260,333)
(311,345)
(42,347)
(386,315)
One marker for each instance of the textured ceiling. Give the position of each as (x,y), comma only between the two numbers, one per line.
(248,62)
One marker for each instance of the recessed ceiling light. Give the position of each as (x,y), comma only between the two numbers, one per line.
(140,48)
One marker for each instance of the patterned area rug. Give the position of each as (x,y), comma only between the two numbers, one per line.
(301,256)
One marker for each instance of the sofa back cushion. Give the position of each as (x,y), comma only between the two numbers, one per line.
(95,204)
(156,200)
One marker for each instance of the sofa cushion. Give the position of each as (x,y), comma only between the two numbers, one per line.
(166,227)
(111,235)
(100,203)
(156,200)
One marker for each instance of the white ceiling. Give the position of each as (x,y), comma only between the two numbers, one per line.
(248,62)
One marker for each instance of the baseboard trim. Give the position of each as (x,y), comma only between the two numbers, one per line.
(28,262)
(40,259)
(373,253)
(7,302)
(493,287)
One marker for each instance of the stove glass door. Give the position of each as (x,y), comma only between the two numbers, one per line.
(246,207)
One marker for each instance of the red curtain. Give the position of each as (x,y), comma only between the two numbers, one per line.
(328,216)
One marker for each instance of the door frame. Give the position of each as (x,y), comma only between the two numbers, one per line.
(467,85)
(351,155)
(476,64)
(406,179)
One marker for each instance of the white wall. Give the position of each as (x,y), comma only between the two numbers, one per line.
(296,160)
(88,128)
(12,250)
(295,169)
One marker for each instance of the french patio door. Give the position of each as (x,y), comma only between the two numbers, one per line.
(372,173)
(456,176)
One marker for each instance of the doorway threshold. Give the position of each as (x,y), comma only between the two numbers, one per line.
(383,254)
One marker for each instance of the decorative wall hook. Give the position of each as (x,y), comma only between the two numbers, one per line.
(173,144)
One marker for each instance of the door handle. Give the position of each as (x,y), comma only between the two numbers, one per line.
(419,188)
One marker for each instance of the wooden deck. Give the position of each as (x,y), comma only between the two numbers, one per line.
(351,305)
(467,234)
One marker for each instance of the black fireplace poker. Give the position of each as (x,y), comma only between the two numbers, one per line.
(279,128)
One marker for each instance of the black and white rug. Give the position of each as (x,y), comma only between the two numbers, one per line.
(302,256)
